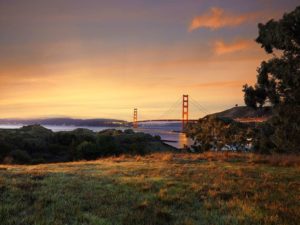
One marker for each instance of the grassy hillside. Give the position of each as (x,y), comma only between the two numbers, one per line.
(161,188)
(244,113)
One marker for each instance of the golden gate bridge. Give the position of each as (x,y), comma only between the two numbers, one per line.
(185,103)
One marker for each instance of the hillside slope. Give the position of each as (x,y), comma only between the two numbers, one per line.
(244,113)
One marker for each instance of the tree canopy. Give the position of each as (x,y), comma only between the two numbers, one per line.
(278,83)
(220,133)
(278,79)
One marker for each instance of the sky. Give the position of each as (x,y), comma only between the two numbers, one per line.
(101,59)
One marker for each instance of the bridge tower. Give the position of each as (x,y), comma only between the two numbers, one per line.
(135,118)
(185,110)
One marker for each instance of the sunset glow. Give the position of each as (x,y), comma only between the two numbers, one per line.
(101,59)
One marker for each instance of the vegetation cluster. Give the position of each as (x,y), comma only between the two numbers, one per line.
(220,133)
(36,144)
(278,84)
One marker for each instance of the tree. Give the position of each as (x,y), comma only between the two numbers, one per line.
(87,150)
(278,81)
(213,132)
(249,98)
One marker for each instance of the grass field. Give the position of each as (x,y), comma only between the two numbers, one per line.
(161,188)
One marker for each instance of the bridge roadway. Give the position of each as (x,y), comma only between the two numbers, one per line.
(165,120)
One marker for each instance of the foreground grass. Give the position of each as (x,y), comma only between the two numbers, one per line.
(157,189)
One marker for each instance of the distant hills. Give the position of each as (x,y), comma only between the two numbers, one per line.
(65,121)
(239,113)
(246,114)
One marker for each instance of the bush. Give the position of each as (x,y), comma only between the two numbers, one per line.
(57,149)
(217,133)
(106,145)
(38,161)
(4,149)
(64,138)
(20,157)
(137,148)
(87,150)
(157,138)
(128,131)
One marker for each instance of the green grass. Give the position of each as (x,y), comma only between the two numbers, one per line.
(156,189)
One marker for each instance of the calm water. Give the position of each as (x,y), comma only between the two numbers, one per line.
(168,131)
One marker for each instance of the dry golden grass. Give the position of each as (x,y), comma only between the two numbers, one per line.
(161,188)
(274,159)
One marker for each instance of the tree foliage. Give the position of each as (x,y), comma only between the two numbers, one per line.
(278,83)
(217,133)
(36,144)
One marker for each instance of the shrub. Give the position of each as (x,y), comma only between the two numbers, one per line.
(212,132)
(87,150)
(128,131)
(4,149)
(106,144)
(64,138)
(20,157)
(137,148)
(38,161)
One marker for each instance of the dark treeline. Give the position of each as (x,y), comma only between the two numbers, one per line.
(36,144)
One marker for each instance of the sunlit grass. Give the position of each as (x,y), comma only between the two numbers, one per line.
(166,188)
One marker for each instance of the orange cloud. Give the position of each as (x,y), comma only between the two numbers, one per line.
(216,18)
(221,48)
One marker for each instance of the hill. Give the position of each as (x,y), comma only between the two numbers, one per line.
(65,121)
(246,114)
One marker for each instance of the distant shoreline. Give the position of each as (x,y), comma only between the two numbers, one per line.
(65,122)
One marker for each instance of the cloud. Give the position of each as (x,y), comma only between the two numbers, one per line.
(217,18)
(221,48)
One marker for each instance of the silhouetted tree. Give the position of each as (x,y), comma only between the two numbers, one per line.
(278,81)
(249,97)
